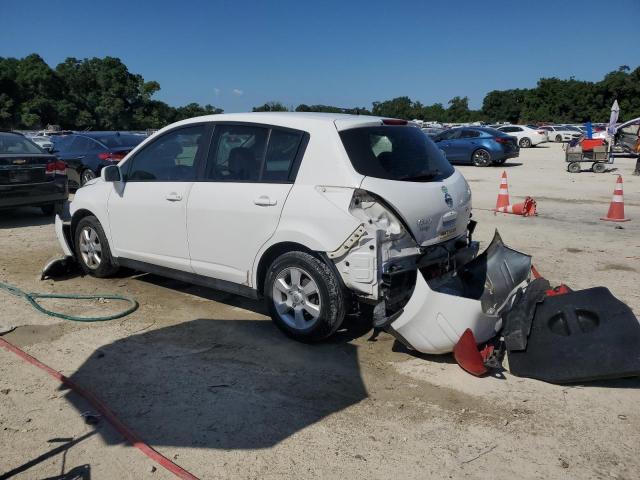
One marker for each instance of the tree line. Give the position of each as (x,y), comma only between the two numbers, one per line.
(101,94)
(95,93)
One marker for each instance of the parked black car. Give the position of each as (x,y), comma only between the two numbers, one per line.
(87,153)
(30,176)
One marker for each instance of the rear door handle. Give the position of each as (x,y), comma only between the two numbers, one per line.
(173,197)
(265,201)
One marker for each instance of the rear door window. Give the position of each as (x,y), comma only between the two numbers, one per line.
(395,153)
(237,153)
(469,134)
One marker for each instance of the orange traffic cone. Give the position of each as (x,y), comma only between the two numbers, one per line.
(503,193)
(526,208)
(616,207)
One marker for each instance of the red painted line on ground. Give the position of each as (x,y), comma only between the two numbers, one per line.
(125,431)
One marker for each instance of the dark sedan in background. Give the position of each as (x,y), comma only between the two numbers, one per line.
(30,176)
(87,153)
(480,146)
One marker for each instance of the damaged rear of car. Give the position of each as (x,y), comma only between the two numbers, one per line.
(413,256)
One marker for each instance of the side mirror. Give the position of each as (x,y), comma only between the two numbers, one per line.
(111,173)
(436,139)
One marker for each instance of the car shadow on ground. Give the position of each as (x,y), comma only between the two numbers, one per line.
(228,384)
(24,217)
(510,164)
(354,326)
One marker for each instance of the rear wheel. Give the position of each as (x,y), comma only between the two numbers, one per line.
(598,167)
(525,142)
(87,175)
(92,249)
(481,158)
(304,297)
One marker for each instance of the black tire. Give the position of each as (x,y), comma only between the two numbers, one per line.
(524,143)
(481,158)
(51,208)
(106,266)
(574,167)
(48,210)
(330,297)
(559,138)
(86,175)
(598,167)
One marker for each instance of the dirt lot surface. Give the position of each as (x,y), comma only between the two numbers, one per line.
(206,379)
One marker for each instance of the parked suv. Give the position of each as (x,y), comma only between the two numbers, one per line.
(317,213)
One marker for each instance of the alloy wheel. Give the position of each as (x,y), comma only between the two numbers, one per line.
(481,158)
(296,297)
(90,247)
(87,175)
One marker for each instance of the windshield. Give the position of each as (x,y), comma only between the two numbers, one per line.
(12,144)
(119,140)
(572,129)
(395,153)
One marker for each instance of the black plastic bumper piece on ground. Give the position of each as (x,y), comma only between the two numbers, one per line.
(578,337)
(517,321)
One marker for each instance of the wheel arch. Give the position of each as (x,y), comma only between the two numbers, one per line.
(273,252)
(77,216)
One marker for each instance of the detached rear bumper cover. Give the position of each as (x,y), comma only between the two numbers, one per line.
(439,311)
(63,231)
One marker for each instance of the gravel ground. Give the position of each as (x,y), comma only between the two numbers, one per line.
(207,380)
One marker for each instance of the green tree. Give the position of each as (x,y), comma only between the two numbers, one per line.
(271,107)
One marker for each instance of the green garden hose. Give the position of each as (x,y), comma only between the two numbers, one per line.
(32,299)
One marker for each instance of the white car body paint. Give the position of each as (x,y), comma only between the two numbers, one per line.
(523,131)
(222,229)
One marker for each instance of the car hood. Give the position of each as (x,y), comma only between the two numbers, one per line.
(433,211)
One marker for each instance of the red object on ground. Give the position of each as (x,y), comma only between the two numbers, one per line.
(526,208)
(616,207)
(587,144)
(125,431)
(503,193)
(468,356)
(559,290)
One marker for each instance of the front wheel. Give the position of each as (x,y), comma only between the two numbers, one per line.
(92,249)
(481,158)
(559,138)
(304,297)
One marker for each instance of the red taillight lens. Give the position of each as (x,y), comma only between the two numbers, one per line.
(501,139)
(393,121)
(56,167)
(61,167)
(111,157)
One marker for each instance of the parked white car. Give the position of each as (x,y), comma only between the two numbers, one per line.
(527,136)
(314,212)
(560,133)
(43,142)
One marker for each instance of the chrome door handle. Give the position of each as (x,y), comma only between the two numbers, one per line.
(264,201)
(173,197)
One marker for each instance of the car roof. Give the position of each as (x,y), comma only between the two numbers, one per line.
(296,120)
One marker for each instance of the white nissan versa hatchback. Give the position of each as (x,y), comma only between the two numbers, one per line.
(317,213)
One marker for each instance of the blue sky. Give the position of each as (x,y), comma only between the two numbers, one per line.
(238,54)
